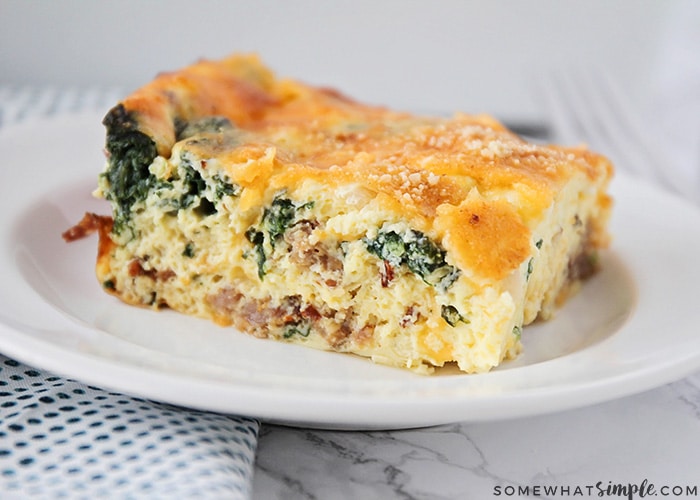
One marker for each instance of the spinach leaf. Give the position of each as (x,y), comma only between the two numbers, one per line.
(518,331)
(130,153)
(193,184)
(189,250)
(276,219)
(388,246)
(257,238)
(302,329)
(224,188)
(452,316)
(418,253)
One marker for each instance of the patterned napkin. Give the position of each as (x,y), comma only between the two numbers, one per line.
(60,438)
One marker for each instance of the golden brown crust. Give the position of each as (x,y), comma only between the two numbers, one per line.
(487,236)
(237,88)
(441,174)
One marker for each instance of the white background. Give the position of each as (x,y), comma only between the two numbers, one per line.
(473,56)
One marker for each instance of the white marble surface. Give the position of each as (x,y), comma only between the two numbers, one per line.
(653,436)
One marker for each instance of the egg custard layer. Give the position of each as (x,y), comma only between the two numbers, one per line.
(295,213)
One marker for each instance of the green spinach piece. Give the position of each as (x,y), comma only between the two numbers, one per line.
(518,331)
(276,219)
(257,238)
(193,184)
(418,253)
(194,187)
(302,328)
(388,246)
(224,188)
(423,256)
(189,250)
(452,316)
(130,153)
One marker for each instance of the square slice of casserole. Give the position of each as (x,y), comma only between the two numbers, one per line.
(295,213)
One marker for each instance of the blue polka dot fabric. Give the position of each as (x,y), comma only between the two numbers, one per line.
(60,438)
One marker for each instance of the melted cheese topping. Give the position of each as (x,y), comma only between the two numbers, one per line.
(509,215)
(422,168)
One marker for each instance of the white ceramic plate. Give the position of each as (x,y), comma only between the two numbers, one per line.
(633,327)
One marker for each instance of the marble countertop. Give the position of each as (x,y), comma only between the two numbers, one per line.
(638,446)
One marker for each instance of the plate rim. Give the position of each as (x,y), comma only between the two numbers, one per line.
(95,370)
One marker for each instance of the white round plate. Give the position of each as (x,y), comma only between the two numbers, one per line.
(634,326)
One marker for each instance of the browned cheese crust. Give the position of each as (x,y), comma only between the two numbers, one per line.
(482,193)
